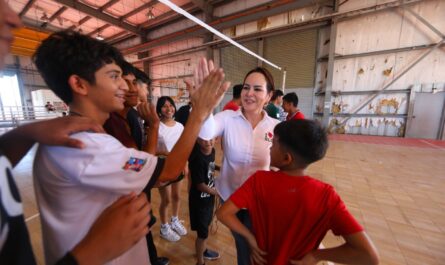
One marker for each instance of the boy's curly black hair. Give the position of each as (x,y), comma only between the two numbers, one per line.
(67,53)
(306,138)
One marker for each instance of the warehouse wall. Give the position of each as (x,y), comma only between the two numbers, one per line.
(391,29)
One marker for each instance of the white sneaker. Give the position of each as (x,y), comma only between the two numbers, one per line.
(168,234)
(178,227)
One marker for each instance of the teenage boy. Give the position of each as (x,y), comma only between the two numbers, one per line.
(290,211)
(73,186)
(113,232)
(202,194)
(235,103)
(125,126)
(290,105)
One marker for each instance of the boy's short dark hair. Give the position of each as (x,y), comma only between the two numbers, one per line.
(237,91)
(67,53)
(306,138)
(292,98)
(127,68)
(276,93)
(141,76)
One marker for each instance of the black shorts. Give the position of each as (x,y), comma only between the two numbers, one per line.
(200,218)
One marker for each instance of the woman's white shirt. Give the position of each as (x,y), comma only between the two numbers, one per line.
(246,149)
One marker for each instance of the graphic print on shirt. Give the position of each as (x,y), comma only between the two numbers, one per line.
(135,164)
(211,176)
(268,137)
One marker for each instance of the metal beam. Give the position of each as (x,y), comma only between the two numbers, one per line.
(99,15)
(330,77)
(116,38)
(168,17)
(162,20)
(244,38)
(244,16)
(442,123)
(172,16)
(426,23)
(196,30)
(396,50)
(33,24)
(86,18)
(57,14)
(199,3)
(108,4)
(98,29)
(54,16)
(83,20)
(26,8)
(139,9)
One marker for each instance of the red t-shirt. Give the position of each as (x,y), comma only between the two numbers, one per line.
(297,116)
(231,105)
(291,215)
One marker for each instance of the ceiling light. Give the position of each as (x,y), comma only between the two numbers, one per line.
(44,17)
(99,36)
(150,14)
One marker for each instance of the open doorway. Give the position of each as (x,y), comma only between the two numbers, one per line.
(10,98)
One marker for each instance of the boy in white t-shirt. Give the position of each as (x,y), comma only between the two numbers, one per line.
(73,186)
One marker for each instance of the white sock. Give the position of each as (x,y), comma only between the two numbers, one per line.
(174,219)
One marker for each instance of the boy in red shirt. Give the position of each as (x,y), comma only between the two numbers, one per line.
(290,105)
(292,212)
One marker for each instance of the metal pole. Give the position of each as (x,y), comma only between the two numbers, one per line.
(426,23)
(330,77)
(284,80)
(442,123)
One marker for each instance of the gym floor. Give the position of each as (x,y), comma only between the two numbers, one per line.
(393,186)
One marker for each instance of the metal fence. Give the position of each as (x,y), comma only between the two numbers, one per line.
(14,116)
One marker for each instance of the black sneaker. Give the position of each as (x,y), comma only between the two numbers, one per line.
(162,261)
(210,254)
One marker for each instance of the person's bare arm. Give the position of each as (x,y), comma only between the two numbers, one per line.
(204,100)
(204,188)
(117,229)
(16,143)
(227,215)
(358,249)
(147,112)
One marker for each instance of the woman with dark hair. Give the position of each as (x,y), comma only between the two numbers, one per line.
(169,133)
(246,138)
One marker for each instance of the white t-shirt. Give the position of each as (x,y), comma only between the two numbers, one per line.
(246,150)
(168,136)
(73,186)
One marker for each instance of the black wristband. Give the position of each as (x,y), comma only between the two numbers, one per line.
(68,259)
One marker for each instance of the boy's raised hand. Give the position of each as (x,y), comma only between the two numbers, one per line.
(256,254)
(209,88)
